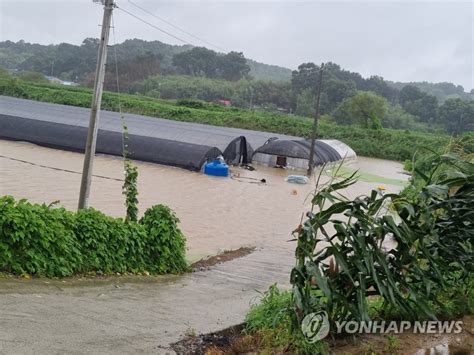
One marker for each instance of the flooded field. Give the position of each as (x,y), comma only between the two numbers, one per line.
(216,213)
(141,314)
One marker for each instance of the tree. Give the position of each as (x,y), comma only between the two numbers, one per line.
(197,61)
(305,103)
(397,118)
(335,91)
(378,85)
(457,116)
(419,104)
(306,77)
(233,66)
(130,71)
(365,108)
(202,61)
(343,113)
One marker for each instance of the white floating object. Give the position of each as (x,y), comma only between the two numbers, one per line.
(297,179)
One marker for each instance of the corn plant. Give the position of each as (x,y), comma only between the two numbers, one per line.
(404,251)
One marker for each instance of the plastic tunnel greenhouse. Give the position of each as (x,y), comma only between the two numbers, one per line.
(68,137)
(295,153)
(157,140)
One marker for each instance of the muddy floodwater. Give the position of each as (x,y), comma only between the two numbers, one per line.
(216,213)
(147,314)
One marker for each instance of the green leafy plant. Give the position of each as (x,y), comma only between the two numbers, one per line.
(165,241)
(409,253)
(270,321)
(47,241)
(393,344)
(130,190)
(130,184)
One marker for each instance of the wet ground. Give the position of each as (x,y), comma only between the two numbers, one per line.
(146,314)
(230,341)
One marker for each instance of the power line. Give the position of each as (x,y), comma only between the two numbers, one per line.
(176,27)
(122,116)
(54,168)
(154,26)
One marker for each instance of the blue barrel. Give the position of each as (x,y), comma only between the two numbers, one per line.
(216,168)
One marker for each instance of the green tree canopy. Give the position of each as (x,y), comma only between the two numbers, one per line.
(233,66)
(419,104)
(197,61)
(457,116)
(365,108)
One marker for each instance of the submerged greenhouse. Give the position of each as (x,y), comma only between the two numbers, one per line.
(295,153)
(174,143)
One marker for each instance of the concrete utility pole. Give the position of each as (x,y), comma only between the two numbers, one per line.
(95,109)
(315,125)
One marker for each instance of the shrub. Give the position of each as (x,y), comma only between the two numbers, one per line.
(37,239)
(192,103)
(47,241)
(165,242)
(109,244)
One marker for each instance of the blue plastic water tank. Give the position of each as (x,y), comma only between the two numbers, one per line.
(216,168)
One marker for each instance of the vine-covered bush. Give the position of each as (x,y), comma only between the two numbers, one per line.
(47,241)
(165,241)
(37,239)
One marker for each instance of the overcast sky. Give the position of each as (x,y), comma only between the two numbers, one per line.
(401,41)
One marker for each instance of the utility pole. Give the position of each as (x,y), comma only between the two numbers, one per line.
(315,124)
(95,108)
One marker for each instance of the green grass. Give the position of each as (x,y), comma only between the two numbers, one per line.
(270,321)
(386,144)
(345,171)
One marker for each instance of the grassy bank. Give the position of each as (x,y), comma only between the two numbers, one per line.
(387,144)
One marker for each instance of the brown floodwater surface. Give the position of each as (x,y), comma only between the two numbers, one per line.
(216,214)
(145,314)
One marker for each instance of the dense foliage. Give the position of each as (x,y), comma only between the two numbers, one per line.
(412,253)
(442,91)
(365,108)
(75,62)
(387,144)
(174,72)
(47,241)
(202,61)
(382,256)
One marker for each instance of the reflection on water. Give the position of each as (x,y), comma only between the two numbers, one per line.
(216,213)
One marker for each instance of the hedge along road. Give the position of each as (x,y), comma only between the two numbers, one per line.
(146,314)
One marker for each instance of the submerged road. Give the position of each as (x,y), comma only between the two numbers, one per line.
(122,315)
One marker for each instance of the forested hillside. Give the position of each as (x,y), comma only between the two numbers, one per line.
(441,91)
(71,62)
(166,71)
